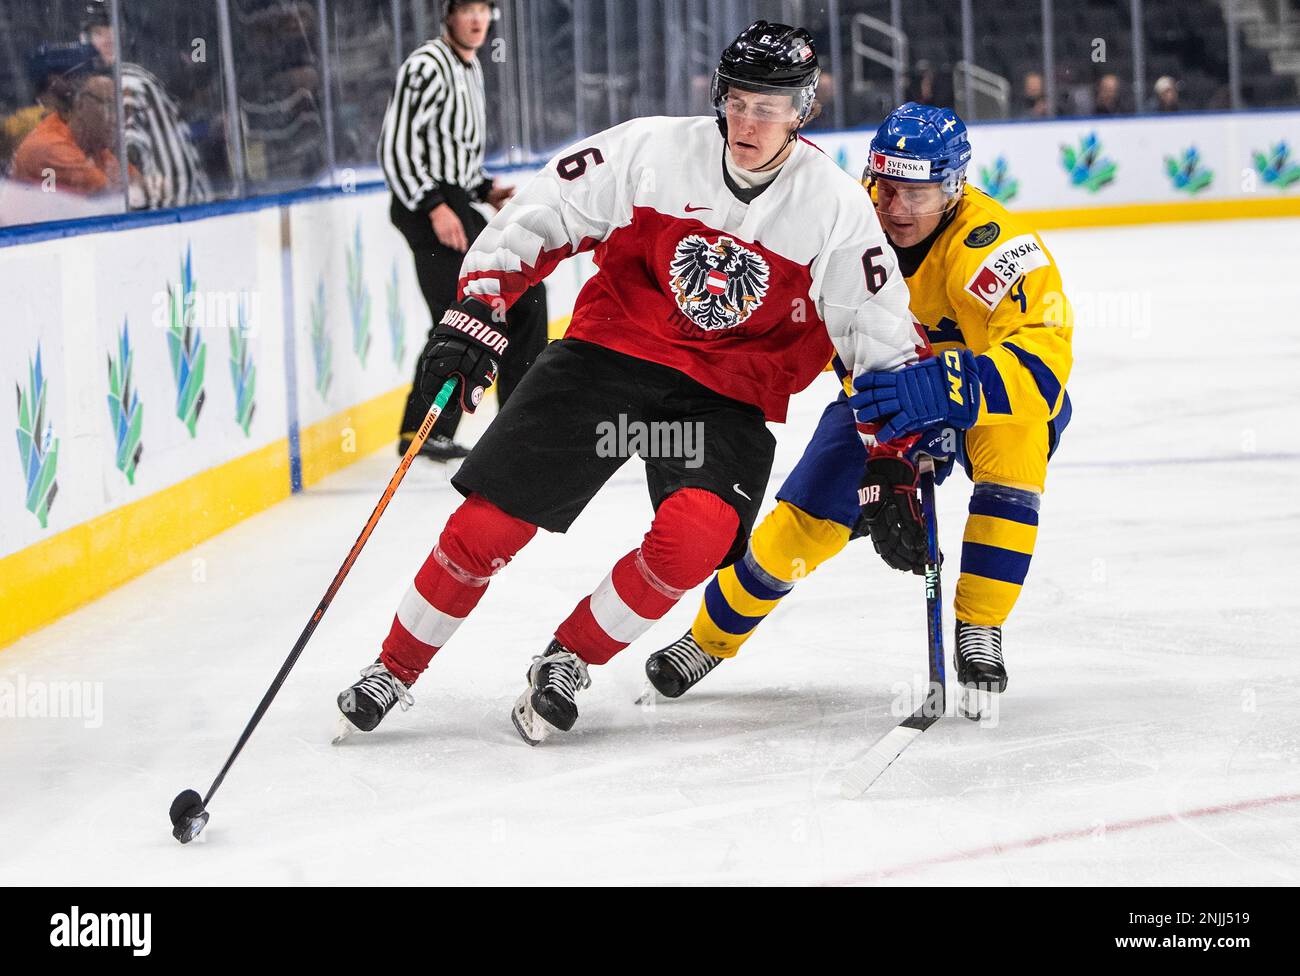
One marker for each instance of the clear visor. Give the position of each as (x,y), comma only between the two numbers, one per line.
(898,198)
(761,103)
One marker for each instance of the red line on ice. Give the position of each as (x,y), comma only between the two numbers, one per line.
(976,853)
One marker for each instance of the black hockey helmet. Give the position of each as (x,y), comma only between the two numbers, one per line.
(450,6)
(769,59)
(95,14)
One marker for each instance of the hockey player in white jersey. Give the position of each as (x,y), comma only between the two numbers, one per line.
(731,268)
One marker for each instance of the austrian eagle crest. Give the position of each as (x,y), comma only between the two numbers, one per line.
(718,284)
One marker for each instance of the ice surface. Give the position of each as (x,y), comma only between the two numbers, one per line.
(1151,732)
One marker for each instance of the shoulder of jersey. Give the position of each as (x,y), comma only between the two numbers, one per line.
(820,176)
(667,135)
(427,57)
(132,70)
(427,49)
(658,140)
(818,161)
(989,248)
(982,226)
(677,126)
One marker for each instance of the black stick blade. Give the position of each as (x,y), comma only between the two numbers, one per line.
(188,816)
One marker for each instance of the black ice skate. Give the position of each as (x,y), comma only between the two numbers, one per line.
(436,448)
(547,704)
(365,704)
(677,668)
(981,672)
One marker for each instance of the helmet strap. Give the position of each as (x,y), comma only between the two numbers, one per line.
(791,136)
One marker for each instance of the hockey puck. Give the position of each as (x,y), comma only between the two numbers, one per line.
(188,816)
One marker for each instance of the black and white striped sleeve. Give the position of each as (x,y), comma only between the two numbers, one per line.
(411,160)
(159,144)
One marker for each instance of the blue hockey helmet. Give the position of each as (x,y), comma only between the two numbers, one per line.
(920,144)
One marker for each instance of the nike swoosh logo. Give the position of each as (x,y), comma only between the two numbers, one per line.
(736,489)
(690,209)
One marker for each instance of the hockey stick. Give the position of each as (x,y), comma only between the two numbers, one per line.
(189,811)
(867,768)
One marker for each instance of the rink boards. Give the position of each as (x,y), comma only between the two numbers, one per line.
(174,378)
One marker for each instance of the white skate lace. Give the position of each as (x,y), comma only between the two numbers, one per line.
(690,659)
(567,673)
(981,645)
(381,685)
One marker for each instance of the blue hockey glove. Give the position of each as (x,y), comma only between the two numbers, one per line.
(942,390)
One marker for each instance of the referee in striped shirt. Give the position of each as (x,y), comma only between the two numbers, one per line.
(157,140)
(431,152)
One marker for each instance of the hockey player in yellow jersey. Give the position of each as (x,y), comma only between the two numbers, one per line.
(993,398)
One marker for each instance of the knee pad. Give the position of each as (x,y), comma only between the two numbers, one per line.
(789,543)
(480,539)
(691,534)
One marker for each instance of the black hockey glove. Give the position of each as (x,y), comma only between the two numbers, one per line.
(468,344)
(891,513)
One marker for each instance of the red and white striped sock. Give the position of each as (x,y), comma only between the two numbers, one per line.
(691,534)
(477,542)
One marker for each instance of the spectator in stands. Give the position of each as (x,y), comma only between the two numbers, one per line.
(1033,96)
(1166,90)
(823,110)
(157,140)
(1106,98)
(44,65)
(70,149)
(14,128)
(281,104)
(920,85)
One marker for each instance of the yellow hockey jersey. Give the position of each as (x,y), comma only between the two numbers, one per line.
(989,284)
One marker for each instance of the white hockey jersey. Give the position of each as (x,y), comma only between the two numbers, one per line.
(748,299)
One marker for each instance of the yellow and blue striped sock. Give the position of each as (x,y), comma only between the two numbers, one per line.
(788,545)
(996,549)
